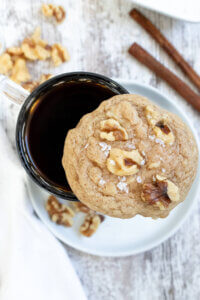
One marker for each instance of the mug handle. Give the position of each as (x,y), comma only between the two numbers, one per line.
(12,91)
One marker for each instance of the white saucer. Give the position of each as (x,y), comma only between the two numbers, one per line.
(117,237)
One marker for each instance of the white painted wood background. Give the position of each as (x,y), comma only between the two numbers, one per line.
(98,34)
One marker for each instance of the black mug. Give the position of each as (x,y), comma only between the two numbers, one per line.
(57,104)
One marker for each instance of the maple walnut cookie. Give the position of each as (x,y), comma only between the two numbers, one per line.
(130,157)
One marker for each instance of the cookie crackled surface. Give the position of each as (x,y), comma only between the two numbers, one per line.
(130,157)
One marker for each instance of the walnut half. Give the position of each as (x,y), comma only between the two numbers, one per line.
(59,213)
(121,162)
(160,193)
(91,224)
(59,54)
(50,10)
(159,126)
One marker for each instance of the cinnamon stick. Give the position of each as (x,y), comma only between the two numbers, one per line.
(166,45)
(160,70)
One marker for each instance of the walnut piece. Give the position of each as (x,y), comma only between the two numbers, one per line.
(160,128)
(59,213)
(5,63)
(91,224)
(34,48)
(59,54)
(121,162)
(160,193)
(163,132)
(111,130)
(50,10)
(20,72)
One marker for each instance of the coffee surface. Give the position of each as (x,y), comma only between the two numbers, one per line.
(49,120)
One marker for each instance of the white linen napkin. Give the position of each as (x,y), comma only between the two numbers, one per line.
(33,264)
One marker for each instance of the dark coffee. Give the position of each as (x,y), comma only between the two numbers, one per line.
(49,119)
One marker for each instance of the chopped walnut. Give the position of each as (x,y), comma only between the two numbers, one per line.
(59,54)
(122,162)
(160,193)
(5,63)
(50,10)
(20,72)
(111,130)
(80,207)
(13,61)
(59,213)
(91,224)
(63,215)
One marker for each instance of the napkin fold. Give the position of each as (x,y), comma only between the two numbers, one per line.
(33,264)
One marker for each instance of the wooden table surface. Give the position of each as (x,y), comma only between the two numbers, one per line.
(98,34)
